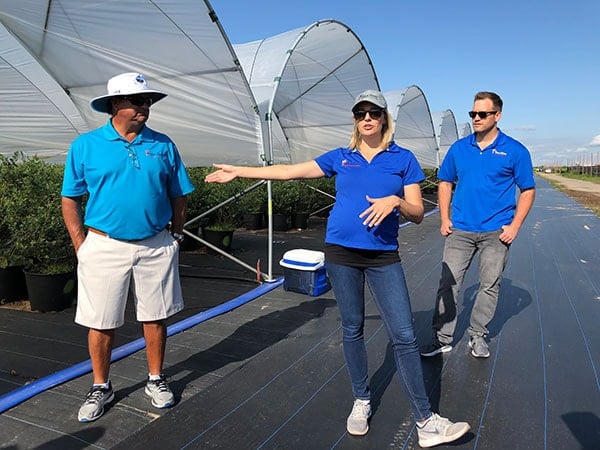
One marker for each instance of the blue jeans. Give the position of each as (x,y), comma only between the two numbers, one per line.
(459,250)
(388,287)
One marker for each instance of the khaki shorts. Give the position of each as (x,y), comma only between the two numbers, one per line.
(109,269)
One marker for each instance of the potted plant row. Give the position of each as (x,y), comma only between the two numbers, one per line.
(292,202)
(297,200)
(34,237)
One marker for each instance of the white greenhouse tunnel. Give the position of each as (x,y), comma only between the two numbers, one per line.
(178,46)
(413,126)
(306,80)
(446,131)
(282,99)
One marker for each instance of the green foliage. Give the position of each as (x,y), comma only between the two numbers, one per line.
(283,196)
(326,185)
(33,231)
(288,197)
(196,201)
(295,196)
(582,177)
(209,195)
(254,201)
(10,216)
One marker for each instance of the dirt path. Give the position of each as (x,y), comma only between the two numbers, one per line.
(572,184)
(585,192)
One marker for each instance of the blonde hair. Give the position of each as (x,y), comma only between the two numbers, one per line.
(387,132)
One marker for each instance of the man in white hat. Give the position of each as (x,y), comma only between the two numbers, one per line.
(136,185)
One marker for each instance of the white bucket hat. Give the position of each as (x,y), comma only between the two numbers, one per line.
(130,83)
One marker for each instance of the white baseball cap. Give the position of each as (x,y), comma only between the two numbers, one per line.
(130,83)
(371,96)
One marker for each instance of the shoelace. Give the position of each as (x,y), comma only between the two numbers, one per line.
(360,410)
(436,423)
(95,396)
(161,384)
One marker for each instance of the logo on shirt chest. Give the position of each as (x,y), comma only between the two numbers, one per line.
(496,152)
(150,153)
(346,163)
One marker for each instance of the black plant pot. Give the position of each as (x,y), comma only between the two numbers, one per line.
(219,238)
(280,222)
(50,292)
(190,244)
(300,220)
(12,284)
(253,221)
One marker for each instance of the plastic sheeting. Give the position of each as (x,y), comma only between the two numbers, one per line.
(445,131)
(57,55)
(464,129)
(75,46)
(413,127)
(305,81)
(35,111)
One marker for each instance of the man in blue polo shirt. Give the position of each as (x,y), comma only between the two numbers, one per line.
(487,167)
(136,185)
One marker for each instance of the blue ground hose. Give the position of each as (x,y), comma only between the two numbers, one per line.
(23,393)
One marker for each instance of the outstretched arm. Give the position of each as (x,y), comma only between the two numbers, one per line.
(226,172)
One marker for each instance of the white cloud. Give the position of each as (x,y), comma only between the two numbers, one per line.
(522,128)
(595,141)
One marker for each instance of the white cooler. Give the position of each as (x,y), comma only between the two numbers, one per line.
(304,272)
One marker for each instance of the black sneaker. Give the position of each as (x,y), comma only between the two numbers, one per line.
(435,348)
(93,406)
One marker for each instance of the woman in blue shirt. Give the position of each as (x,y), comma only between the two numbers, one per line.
(376,182)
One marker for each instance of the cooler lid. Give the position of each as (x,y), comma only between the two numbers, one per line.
(302,259)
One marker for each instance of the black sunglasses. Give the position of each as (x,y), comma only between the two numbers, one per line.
(373,113)
(138,100)
(481,114)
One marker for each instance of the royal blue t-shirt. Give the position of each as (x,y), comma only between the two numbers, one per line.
(130,185)
(387,174)
(485,195)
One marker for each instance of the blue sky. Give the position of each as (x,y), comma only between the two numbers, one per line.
(541,56)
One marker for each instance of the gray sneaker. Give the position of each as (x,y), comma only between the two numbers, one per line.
(435,348)
(478,346)
(93,406)
(358,420)
(439,430)
(161,394)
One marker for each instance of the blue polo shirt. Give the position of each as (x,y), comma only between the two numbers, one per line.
(387,174)
(129,184)
(486,180)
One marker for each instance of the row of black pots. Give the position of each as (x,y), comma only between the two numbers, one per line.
(221,239)
(252,221)
(281,222)
(45,292)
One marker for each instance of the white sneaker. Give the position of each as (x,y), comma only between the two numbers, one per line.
(358,420)
(479,348)
(439,430)
(93,406)
(159,391)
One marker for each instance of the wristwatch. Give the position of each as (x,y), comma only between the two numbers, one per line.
(178,236)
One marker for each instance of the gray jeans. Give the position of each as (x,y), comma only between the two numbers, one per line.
(459,250)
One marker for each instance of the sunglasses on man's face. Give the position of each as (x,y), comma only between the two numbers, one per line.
(373,114)
(138,100)
(481,114)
